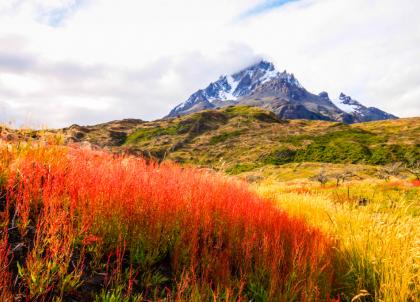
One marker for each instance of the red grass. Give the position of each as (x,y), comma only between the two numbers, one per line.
(201,227)
(5,275)
(402,184)
(395,183)
(300,190)
(416,183)
(327,187)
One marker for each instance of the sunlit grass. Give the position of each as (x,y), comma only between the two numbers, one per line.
(377,225)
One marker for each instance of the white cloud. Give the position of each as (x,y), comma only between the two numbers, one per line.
(72,61)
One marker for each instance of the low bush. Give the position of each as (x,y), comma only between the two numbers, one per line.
(89,225)
(224,137)
(342,146)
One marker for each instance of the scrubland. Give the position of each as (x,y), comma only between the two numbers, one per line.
(84,225)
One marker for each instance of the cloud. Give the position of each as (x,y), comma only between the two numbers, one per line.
(68,61)
(61,93)
(3,113)
(13,63)
(365,49)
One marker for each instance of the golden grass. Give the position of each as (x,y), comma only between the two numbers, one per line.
(379,243)
(303,171)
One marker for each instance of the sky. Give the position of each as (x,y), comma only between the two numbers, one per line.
(90,61)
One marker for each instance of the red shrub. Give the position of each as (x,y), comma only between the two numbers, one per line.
(199,226)
(416,183)
(5,275)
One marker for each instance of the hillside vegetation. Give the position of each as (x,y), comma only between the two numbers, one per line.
(331,214)
(240,138)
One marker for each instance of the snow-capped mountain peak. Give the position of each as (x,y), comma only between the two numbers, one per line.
(229,88)
(360,112)
(262,85)
(347,104)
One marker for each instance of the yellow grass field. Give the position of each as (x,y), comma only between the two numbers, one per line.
(377,225)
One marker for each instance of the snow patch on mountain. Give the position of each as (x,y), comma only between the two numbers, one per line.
(347,104)
(271,74)
(290,78)
(227,86)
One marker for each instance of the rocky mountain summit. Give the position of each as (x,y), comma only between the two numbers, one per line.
(261,85)
(361,113)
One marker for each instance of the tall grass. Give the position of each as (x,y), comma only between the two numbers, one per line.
(76,220)
(377,226)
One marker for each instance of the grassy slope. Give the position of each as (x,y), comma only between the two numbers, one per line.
(239,139)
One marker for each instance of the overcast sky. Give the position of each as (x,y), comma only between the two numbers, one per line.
(90,61)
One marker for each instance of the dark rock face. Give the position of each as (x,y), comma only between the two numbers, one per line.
(297,111)
(261,85)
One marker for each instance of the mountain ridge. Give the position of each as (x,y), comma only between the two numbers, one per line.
(261,85)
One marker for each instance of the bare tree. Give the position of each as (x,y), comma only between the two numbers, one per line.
(414,168)
(389,170)
(342,176)
(321,177)
(337,177)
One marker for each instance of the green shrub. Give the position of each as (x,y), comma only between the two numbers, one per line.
(280,156)
(384,154)
(224,136)
(239,168)
(337,151)
(346,145)
(145,135)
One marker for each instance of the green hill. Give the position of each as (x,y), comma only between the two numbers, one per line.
(238,139)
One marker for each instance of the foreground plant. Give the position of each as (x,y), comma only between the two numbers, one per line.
(92,220)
